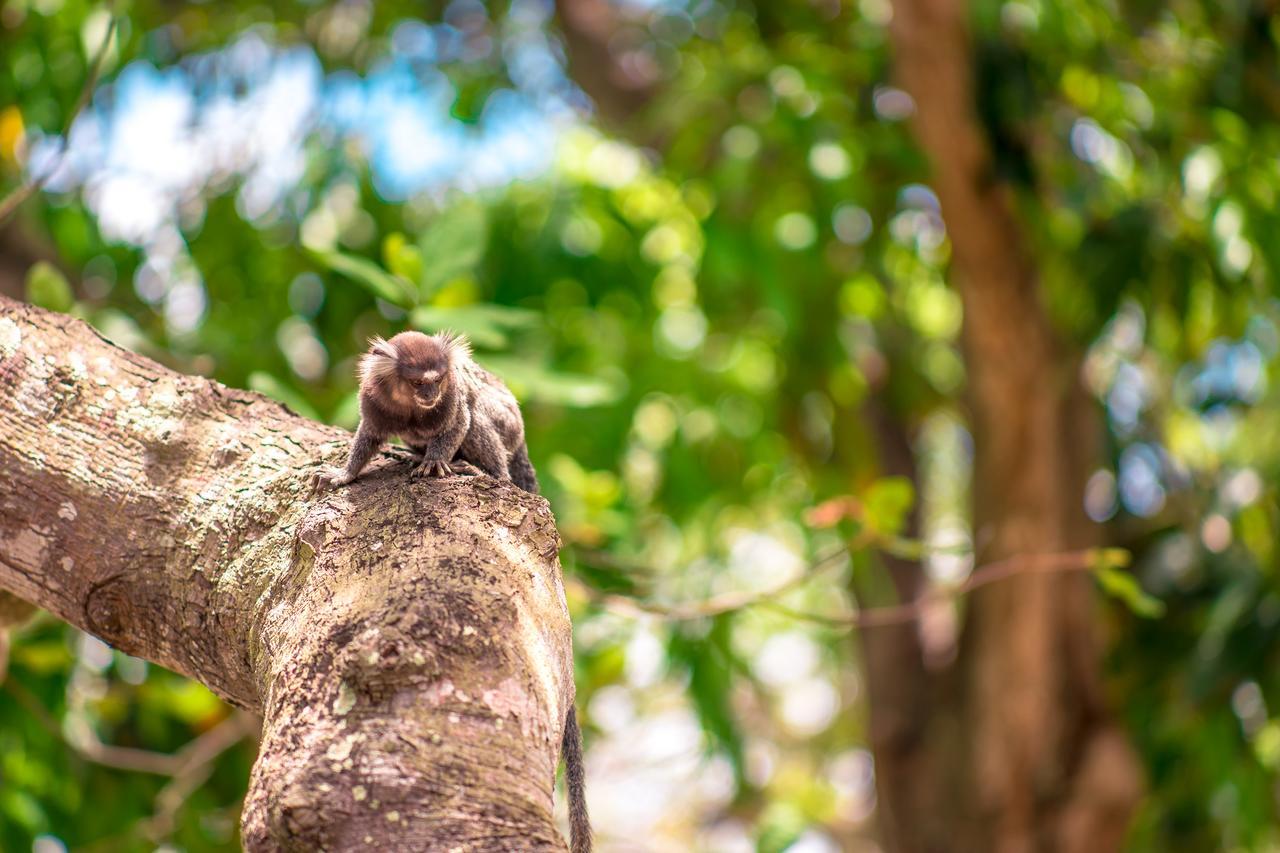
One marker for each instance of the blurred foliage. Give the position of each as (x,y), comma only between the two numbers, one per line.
(706,319)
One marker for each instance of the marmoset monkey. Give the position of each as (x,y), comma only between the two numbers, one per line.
(429,391)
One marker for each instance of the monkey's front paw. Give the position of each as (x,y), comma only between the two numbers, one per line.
(329,478)
(433,468)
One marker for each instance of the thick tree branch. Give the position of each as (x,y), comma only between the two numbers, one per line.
(408,644)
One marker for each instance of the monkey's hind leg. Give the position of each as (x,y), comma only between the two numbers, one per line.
(484,450)
(522,473)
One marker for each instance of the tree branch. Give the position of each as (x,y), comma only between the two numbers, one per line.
(33,185)
(1085,560)
(88,746)
(408,643)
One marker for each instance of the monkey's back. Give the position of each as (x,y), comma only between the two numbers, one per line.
(493,400)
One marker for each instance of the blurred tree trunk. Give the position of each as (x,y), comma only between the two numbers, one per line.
(1017,751)
(408,644)
(1011,748)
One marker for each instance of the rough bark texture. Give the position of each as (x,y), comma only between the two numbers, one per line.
(1041,765)
(408,643)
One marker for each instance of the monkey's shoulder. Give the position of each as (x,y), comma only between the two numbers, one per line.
(486,386)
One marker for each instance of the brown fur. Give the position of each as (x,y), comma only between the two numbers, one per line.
(428,390)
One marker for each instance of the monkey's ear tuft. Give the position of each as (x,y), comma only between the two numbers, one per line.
(380,346)
(379,363)
(455,343)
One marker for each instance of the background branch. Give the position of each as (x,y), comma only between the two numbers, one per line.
(1083,560)
(14,199)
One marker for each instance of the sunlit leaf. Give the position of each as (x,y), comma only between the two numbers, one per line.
(452,244)
(12,130)
(886,504)
(42,657)
(374,278)
(48,287)
(487,326)
(548,386)
(1120,584)
(402,258)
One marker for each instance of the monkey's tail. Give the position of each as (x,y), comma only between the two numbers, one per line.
(522,473)
(576,783)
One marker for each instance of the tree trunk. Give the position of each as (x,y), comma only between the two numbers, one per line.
(596,46)
(1017,751)
(407,643)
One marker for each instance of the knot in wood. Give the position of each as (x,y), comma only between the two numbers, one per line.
(109,608)
(381,661)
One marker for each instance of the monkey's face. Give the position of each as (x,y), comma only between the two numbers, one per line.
(412,370)
(425,370)
(428,385)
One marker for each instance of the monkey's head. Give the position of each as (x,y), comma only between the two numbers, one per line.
(412,368)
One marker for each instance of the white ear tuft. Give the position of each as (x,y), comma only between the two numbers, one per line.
(379,363)
(383,347)
(455,343)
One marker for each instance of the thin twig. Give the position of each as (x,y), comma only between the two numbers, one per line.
(197,760)
(719,604)
(188,767)
(33,185)
(871,617)
(88,746)
(898,614)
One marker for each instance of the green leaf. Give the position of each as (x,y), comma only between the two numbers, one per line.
(47,287)
(42,658)
(374,278)
(24,810)
(452,245)
(485,325)
(402,257)
(887,503)
(534,382)
(1120,584)
(192,702)
(710,665)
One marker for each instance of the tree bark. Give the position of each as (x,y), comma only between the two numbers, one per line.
(1022,752)
(407,642)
